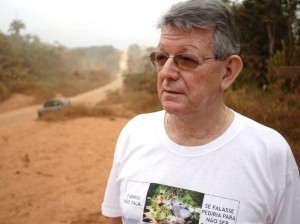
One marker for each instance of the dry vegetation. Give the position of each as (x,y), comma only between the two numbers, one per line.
(274,108)
(29,66)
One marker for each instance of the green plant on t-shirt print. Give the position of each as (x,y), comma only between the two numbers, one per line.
(167,204)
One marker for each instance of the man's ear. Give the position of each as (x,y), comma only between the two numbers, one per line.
(234,65)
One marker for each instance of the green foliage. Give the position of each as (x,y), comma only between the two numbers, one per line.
(267,27)
(11,65)
(287,78)
(15,26)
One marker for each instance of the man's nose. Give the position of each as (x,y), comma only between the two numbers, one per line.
(169,70)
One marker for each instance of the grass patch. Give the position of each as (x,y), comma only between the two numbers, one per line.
(71,84)
(80,110)
(133,101)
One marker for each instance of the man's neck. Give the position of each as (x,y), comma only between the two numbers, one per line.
(199,128)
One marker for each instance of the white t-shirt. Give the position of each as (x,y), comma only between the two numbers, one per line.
(247,175)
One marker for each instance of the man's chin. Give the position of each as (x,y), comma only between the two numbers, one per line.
(172,108)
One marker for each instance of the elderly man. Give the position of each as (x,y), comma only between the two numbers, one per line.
(234,169)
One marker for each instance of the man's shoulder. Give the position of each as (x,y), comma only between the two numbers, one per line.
(260,131)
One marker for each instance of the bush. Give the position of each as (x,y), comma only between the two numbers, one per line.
(80,110)
(142,102)
(4,92)
(273,108)
(140,82)
(140,94)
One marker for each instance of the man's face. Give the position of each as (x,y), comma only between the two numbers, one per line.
(185,91)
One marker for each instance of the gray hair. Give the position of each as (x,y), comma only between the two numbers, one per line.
(206,14)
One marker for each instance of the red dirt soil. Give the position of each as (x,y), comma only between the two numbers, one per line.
(56,172)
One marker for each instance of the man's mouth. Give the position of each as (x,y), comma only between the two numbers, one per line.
(171,92)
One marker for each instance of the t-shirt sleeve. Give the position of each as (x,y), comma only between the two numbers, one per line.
(288,197)
(111,203)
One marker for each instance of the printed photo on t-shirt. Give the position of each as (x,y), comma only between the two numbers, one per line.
(156,203)
(166,204)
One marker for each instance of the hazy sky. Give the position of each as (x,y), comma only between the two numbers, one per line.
(75,23)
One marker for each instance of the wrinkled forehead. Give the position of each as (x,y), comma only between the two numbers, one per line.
(198,38)
(193,33)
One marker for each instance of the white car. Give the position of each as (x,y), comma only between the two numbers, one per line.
(53,106)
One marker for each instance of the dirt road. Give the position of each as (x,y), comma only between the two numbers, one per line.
(28,114)
(55,172)
(94,96)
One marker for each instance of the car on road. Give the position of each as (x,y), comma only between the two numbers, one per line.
(53,106)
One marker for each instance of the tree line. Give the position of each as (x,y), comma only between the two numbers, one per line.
(26,63)
(270,38)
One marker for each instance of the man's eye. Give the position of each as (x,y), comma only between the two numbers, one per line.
(187,59)
(161,57)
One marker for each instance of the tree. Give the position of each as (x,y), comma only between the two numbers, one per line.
(16,26)
(266,26)
(290,11)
